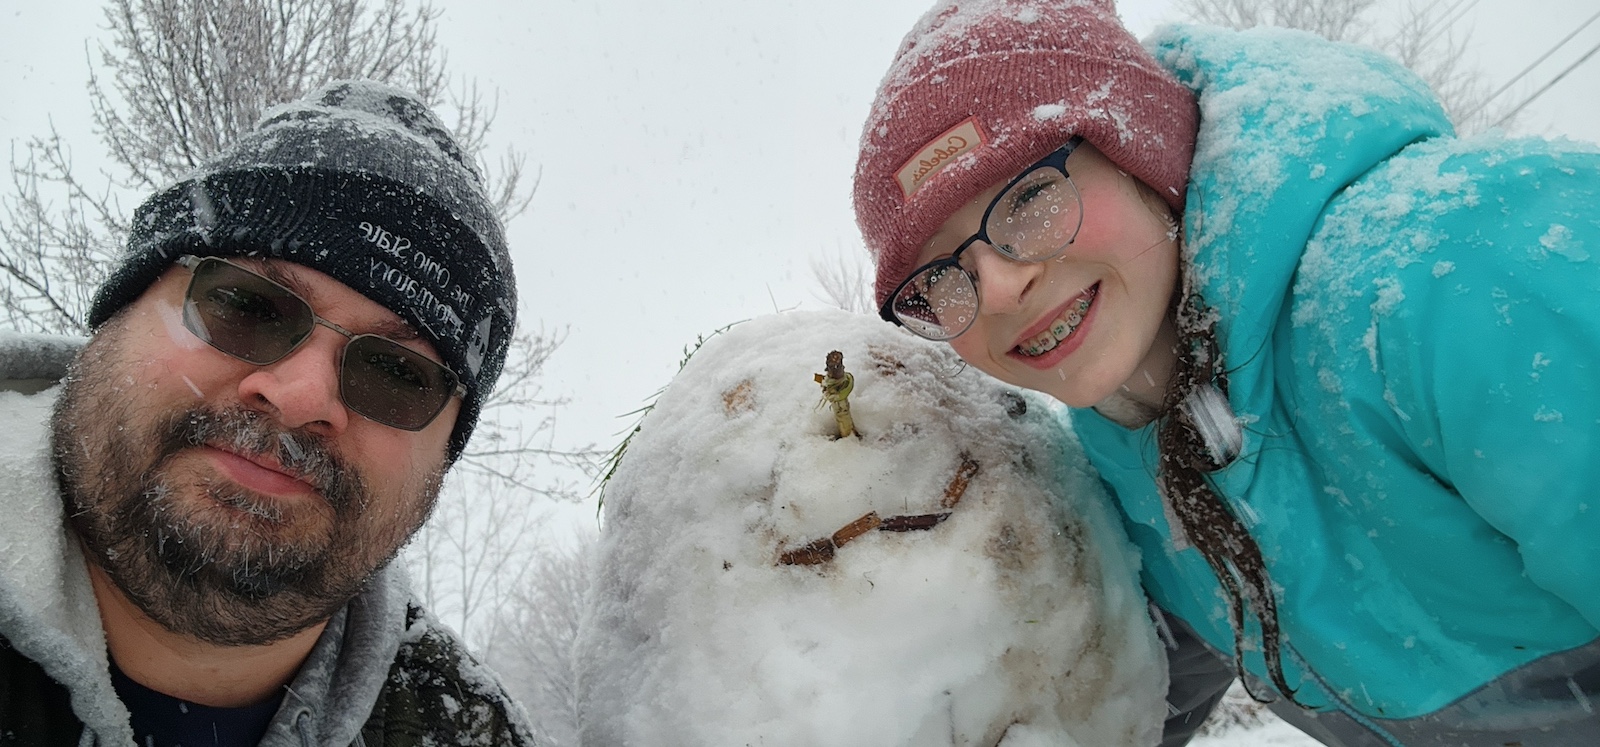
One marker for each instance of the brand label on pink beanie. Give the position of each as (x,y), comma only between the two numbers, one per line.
(939,153)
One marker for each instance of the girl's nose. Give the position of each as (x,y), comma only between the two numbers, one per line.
(1003,283)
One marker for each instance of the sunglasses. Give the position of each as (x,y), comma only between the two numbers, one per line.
(256,320)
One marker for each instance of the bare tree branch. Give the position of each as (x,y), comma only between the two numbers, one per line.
(507,446)
(176,82)
(1339,20)
(535,634)
(471,553)
(53,252)
(845,279)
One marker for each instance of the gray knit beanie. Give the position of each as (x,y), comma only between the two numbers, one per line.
(358,180)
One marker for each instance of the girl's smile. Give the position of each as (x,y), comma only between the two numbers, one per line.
(1055,337)
(1092,323)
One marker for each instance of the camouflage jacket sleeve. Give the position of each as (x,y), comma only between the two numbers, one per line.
(438,694)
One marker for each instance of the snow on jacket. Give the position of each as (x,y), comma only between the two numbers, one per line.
(1411,326)
(382,673)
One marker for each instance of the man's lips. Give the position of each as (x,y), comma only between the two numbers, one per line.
(259,473)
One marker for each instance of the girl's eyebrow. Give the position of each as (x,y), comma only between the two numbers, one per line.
(932,240)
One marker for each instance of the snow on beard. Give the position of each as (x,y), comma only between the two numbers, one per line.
(741,597)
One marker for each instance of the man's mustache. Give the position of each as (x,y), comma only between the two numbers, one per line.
(248,433)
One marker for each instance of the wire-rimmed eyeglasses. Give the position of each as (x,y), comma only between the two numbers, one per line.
(1033,218)
(254,319)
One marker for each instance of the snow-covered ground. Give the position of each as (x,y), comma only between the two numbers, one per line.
(1241,722)
(1271,733)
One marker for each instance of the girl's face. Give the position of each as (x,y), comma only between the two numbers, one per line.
(1113,286)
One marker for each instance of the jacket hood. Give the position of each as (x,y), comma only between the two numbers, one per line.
(47,607)
(1287,121)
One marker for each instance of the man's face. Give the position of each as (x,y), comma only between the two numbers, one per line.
(234,503)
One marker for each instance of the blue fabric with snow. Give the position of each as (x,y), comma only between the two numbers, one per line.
(1411,325)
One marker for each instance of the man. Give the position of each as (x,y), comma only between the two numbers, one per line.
(200,522)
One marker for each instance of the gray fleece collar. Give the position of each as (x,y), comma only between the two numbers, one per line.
(331,698)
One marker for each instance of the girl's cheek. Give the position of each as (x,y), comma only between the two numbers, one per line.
(973,348)
(967,344)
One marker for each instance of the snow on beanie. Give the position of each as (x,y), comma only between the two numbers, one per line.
(980,89)
(358,180)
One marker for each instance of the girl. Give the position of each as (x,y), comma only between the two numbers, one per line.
(1340,368)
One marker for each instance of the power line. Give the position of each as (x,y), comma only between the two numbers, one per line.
(1448,20)
(1425,22)
(1529,69)
(1553,81)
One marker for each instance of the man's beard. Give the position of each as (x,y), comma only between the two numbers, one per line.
(249,571)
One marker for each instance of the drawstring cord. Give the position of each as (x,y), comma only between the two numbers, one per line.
(302,724)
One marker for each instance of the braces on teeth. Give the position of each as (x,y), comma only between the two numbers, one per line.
(1060,329)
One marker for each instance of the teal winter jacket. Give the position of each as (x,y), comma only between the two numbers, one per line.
(1410,323)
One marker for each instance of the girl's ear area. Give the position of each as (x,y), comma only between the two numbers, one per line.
(1158,207)
(1089,166)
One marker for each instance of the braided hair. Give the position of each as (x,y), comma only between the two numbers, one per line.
(1190,445)
(1187,454)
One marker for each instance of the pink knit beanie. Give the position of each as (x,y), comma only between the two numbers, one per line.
(980,89)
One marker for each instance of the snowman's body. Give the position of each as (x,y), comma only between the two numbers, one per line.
(750,590)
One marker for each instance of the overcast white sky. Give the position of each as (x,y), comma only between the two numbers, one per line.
(695,154)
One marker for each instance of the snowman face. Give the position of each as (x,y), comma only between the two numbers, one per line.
(764,581)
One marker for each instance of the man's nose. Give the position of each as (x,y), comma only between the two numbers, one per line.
(302,389)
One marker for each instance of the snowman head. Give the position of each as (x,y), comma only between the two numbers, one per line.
(950,575)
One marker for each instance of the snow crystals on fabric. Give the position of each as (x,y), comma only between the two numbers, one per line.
(45,597)
(1397,204)
(946,21)
(1262,121)
(28,356)
(1045,112)
(1558,240)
